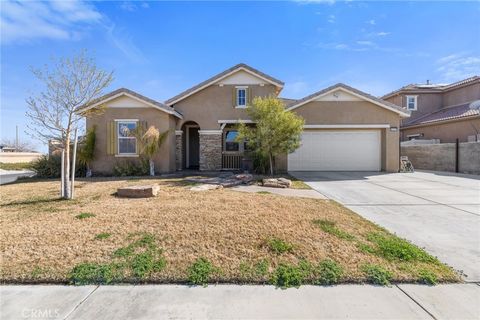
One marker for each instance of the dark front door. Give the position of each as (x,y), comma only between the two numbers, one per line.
(193,148)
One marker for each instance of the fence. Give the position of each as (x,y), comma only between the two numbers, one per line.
(445,156)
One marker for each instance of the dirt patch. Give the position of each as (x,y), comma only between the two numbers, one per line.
(42,240)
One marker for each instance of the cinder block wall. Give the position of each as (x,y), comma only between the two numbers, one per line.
(441,157)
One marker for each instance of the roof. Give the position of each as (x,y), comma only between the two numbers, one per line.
(288,102)
(433,87)
(356,92)
(221,75)
(132,94)
(449,113)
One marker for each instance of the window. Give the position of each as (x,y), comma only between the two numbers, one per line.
(127,143)
(412,102)
(230,143)
(241,97)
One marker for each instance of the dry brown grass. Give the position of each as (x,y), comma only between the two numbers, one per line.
(42,240)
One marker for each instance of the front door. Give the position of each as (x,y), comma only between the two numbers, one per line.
(193,148)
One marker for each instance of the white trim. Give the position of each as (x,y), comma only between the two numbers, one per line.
(415,102)
(187,143)
(135,154)
(223,126)
(178,132)
(126,155)
(210,131)
(223,77)
(352,93)
(237,89)
(346,126)
(126,120)
(235,121)
(172,112)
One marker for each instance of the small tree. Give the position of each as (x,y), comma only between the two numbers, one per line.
(70,83)
(86,153)
(150,142)
(276,131)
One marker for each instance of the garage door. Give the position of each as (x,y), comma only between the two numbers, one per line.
(356,150)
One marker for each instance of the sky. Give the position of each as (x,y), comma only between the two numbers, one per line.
(162,48)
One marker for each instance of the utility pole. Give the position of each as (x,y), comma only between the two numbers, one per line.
(16,137)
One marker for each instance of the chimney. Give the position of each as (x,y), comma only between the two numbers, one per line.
(428,81)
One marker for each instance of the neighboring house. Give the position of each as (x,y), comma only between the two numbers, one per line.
(345,129)
(440,111)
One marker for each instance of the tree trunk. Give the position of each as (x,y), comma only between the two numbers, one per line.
(66,166)
(270,158)
(152,167)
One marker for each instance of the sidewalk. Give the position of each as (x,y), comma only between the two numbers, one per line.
(459,301)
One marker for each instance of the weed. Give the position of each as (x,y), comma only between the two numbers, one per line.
(279,246)
(258,270)
(377,274)
(92,273)
(365,248)
(287,275)
(124,252)
(200,272)
(263,192)
(427,277)
(145,263)
(84,215)
(103,235)
(329,227)
(329,272)
(394,248)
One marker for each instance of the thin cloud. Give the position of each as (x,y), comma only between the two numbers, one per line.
(458,66)
(371,22)
(382,34)
(329,2)
(132,6)
(366,43)
(331,18)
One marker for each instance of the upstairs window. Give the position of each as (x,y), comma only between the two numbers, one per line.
(127,143)
(241,97)
(411,102)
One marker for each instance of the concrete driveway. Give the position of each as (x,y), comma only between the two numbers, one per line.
(437,211)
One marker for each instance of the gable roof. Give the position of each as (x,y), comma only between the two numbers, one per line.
(222,75)
(360,94)
(445,114)
(432,88)
(132,94)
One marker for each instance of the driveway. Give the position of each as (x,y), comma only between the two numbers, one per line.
(8,176)
(437,211)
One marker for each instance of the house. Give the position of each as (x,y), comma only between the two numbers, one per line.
(440,111)
(345,129)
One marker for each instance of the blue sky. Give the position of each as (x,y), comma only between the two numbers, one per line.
(161,48)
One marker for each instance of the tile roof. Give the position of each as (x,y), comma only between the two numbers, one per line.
(449,113)
(288,102)
(159,105)
(360,93)
(193,89)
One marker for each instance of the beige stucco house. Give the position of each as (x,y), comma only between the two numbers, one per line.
(440,111)
(345,129)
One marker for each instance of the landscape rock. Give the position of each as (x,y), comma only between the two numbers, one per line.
(206,187)
(244,177)
(138,191)
(277,183)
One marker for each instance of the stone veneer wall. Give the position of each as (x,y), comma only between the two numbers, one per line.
(178,151)
(210,151)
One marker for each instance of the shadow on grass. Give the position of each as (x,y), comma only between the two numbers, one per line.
(33,201)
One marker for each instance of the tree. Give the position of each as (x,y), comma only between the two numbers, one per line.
(150,142)
(86,152)
(21,146)
(276,131)
(69,84)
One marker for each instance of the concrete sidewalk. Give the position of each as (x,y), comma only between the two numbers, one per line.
(454,301)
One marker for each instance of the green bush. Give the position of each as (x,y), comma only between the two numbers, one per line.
(279,246)
(200,272)
(92,273)
(394,248)
(377,274)
(287,275)
(329,272)
(131,168)
(427,277)
(50,167)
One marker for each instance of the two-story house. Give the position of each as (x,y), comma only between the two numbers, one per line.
(345,129)
(440,111)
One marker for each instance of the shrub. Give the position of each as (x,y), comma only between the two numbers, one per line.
(287,275)
(84,215)
(329,272)
(329,227)
(279,246)
(131,168)
(377,274)
(50,167)
(427,277)
(200,272)
(394,248)
(92,273)
(103,235)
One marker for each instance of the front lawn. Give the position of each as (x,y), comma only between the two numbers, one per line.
(16,166)
(183,236)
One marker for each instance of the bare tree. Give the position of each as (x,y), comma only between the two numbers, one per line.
(21,146)
(69,84)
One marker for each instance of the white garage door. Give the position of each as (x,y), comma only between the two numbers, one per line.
(356,150)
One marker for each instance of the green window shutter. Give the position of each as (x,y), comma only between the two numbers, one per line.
(114,140)
(249,95)
(111,137)
(234,97)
